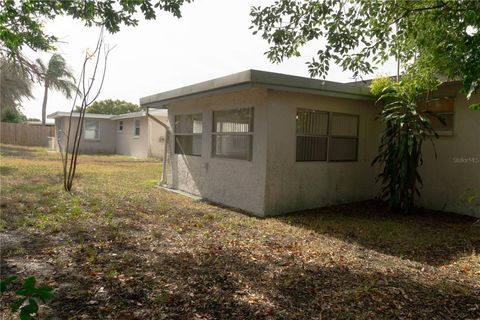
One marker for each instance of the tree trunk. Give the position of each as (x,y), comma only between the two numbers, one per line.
(44,105)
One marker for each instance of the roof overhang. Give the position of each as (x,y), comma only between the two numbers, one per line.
(60,114)
(257,79)
(129,115)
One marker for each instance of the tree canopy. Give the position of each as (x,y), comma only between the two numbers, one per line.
(112,107)
(22,22)
(429,38)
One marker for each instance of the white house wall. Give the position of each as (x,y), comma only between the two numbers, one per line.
(457,165)
(235,183)
(105,143)
(128,143)
(291,185)
(157,137)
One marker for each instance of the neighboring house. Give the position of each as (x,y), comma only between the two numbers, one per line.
(135,134)
(271,143)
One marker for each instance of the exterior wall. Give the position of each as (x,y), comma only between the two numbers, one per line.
(157,137)
(127,143)
(236,183)
(291,185)
(457,166)
(106,143)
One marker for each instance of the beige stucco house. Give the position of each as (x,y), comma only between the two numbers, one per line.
(135,134)
(270,143)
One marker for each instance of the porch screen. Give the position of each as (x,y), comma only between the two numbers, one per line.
(343,137)
(312,135)
(188,134)
(232,134)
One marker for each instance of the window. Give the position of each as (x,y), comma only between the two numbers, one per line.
(136,127)
(188,134)
(312,135)
(232,134)
(343,137)
(92,129)
(438,110)
(120,125)
(323,136)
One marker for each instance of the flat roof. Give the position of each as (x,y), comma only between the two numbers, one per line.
(256,78)
(59,114)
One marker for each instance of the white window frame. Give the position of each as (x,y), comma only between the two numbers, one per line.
(135,135)
(120,126)
(250,134)
(97,121)
(183,134)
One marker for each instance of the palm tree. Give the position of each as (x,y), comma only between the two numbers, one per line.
(15,85)
(57,76)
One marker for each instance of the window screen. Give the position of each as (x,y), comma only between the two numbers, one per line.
(438,125)
(343,137)
(188,134)
(92,129)
(439,108)
(232,135)
(120,125)
(312,135)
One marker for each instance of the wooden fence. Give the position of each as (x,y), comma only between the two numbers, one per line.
(25,134)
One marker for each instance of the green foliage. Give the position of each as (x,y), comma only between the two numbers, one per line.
(428,37)
(111,107)
(472,197)
(22,22)
(15,85)
(58,76)
(400,150)
(14,116)
(29,296)
(378,86)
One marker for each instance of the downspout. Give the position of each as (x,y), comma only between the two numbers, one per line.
(165,149)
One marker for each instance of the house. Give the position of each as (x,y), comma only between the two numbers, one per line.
(135,134)
(270,143)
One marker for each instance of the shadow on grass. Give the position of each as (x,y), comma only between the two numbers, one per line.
(226,283)
(426,236)
(106,273)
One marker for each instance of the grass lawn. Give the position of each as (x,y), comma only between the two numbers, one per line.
(121,248)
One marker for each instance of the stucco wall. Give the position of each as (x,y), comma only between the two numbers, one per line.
(105,144)
(293,185)
(236,183)
(457,166)
(127,143)
(157,137)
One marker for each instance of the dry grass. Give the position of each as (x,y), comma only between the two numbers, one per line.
(121,248)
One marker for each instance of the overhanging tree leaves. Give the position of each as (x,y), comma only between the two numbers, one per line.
(21,22)
(427,37)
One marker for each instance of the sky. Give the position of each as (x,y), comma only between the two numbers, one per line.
(212,39)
